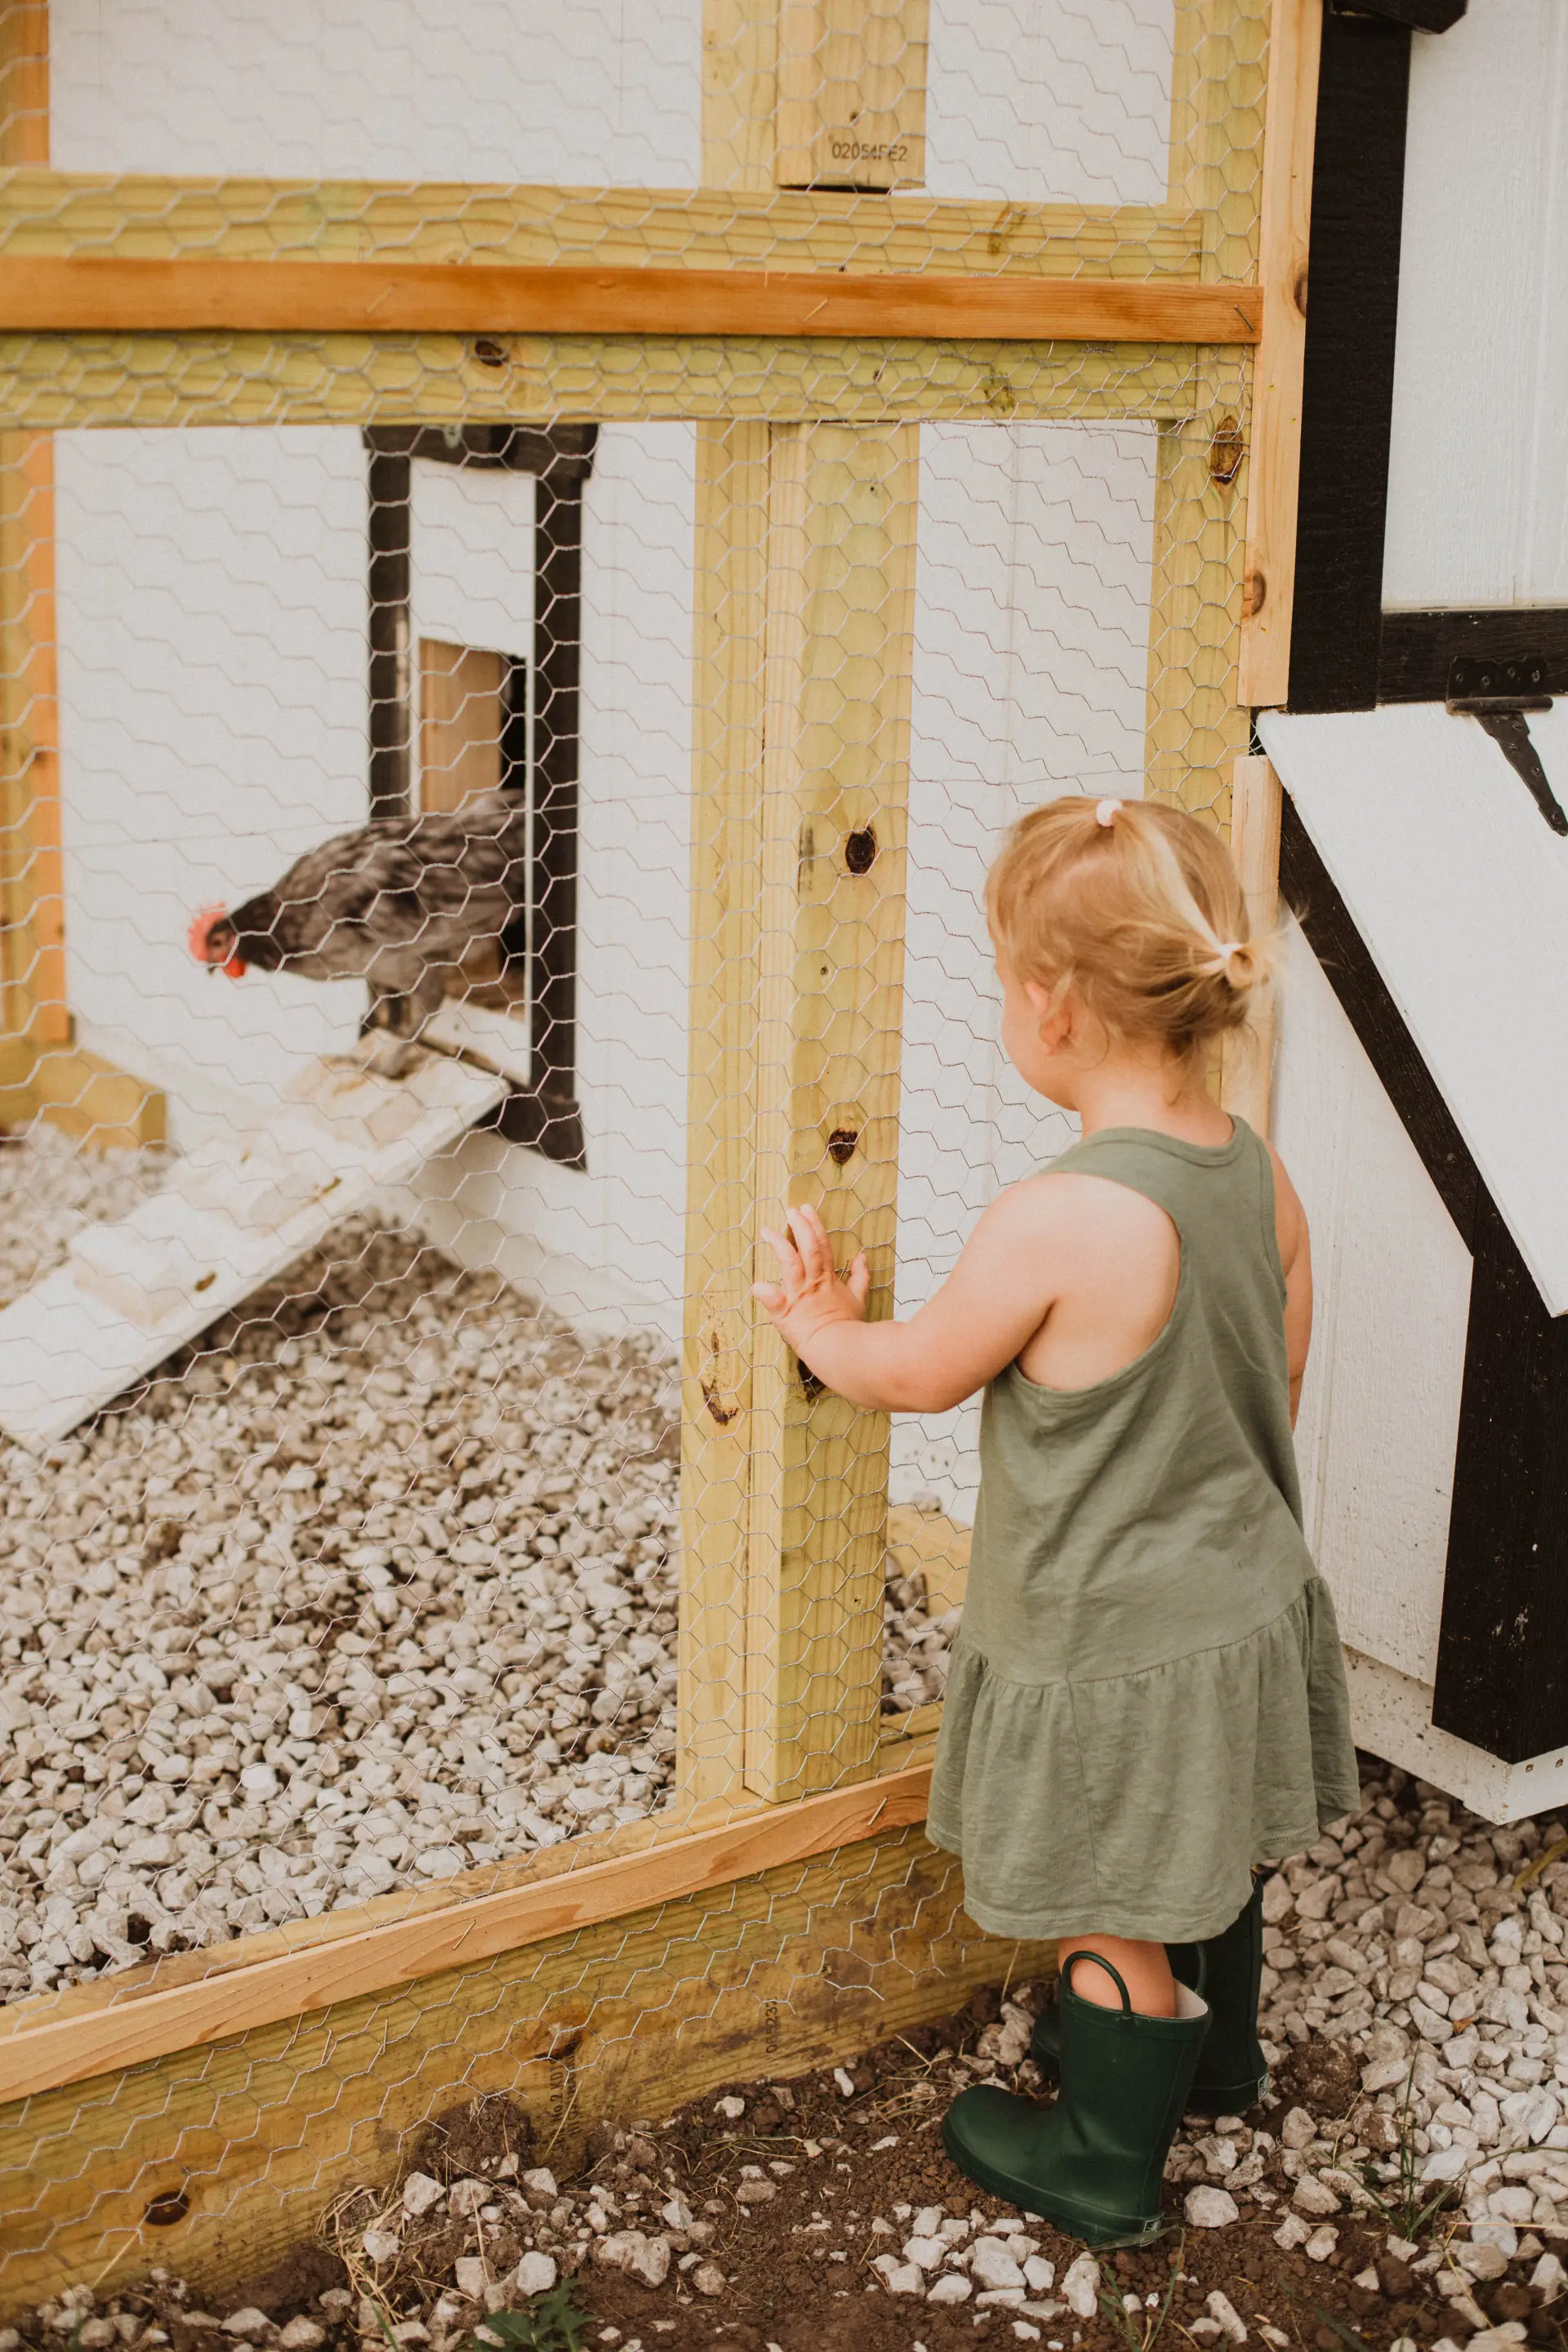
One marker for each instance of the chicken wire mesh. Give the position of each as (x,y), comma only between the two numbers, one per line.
(487,819)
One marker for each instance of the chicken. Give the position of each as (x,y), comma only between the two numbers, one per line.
(397,904)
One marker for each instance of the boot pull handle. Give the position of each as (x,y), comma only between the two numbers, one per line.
(1095,1961)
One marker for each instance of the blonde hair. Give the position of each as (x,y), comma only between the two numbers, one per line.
(1137,905)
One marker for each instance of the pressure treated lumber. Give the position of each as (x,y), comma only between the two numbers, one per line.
(851,93)
(834,781)
(729,624)
(1274,472)
(32,946)
(933,1546)
(150,2024)
(736,220)
(86,293)
(797,1967)
(156,379)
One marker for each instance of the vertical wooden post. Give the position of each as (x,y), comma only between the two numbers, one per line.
(739,94)
(805,611)
(740,56)
(726,881)
(1196,723)
(852,93)
(32,950)
(1274,472)
(1254,815)
(842,505)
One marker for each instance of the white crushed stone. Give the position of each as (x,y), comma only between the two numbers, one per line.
(374,1585)
(50,1188)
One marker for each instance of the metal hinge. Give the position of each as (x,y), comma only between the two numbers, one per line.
(1501,695)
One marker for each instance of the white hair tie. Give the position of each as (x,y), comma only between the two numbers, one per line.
(1228,947)
(1105,814)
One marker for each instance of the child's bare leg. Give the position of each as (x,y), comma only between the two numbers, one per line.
(1144,1970)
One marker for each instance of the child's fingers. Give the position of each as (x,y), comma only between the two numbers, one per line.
(811,1240)
(859,1284)
(770,1298)
(786,1252)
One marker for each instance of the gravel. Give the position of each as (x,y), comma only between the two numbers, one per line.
(50,1188)
(374,1585)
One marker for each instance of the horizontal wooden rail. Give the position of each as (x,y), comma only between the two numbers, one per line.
(87,293)
(142,2022)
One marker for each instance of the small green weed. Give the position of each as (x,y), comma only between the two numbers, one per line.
(547,2323)
(1400,2201)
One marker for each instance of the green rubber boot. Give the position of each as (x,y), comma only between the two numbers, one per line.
(1233,2073)
(1091,2164)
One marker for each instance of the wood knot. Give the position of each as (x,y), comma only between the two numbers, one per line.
(1299,290)
(720,1414)
(841,1145)
(860,849)
(1226,450)
(1254,594)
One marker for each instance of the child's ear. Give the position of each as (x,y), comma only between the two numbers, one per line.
(1054,1021)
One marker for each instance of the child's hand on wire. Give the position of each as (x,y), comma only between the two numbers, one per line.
(809,1295)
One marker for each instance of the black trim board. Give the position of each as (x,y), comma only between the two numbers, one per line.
(1421,16)
(544,1115)
(1502,1657)
(1418,649)
(1347,398)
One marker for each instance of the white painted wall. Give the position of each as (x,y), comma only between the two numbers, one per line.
(1478,507)
(1380,1409)
(1031,660)
(1050,101)
(471,557)
(590,93)
(605,1244)
(213,717)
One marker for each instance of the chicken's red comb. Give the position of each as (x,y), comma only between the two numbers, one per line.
(199,940)
(201,929)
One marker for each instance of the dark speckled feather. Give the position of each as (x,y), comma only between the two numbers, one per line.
(396,899)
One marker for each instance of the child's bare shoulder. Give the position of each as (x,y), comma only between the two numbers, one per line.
(1070,1207)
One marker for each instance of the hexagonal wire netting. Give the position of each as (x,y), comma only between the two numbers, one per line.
(485,820)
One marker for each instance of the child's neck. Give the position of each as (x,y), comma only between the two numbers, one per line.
(1128,1090)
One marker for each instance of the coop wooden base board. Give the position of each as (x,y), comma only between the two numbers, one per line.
(80,1093)
(1392,1716)
(783,1960)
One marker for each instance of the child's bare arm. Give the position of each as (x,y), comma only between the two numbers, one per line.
(995,1299)
(1296,1260)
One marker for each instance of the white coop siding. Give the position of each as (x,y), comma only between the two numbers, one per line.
(1380,1411)
(1459,889)
(1030,668)
(591,94)
(1049,101)
(1477,493)
(471,557)
(213,617)
(606,1243)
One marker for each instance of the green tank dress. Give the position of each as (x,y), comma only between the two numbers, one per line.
(1148,1693)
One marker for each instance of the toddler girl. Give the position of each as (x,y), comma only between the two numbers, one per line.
(1148,1696)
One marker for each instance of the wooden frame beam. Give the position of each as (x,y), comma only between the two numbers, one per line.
(137,2022)
(738,220)
(86,293)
